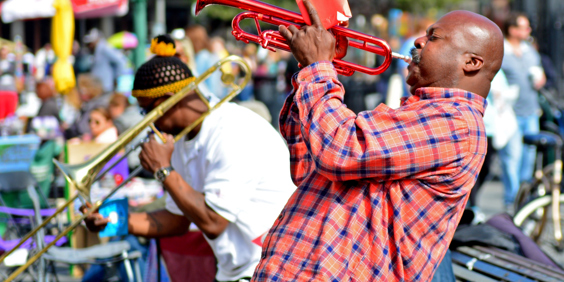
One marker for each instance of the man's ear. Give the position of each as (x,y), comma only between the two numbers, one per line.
(473,63)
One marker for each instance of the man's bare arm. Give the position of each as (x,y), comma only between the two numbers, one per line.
(193,205)
(157,224)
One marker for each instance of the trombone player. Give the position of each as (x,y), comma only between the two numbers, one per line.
(230,176)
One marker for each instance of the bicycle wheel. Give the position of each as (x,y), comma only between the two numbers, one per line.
(535,220)
(530,191)
(535,189)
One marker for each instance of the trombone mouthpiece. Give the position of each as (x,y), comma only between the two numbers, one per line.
(406,59)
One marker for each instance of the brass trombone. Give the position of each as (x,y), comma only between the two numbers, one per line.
(81,176)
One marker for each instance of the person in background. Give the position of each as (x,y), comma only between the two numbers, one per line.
(108,63)
(551,84)
(205,58)
(7,70)
(217,47)
(70,108)
(44,60)
(45,91)
(503,139)
(522,67)
(250,57)
(92,96)
(123,114)
(126,116)
(101,126)
(184,48)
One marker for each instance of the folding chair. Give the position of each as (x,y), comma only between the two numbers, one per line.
(16,155)
(112,252)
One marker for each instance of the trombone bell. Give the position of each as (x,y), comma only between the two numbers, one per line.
(80,176)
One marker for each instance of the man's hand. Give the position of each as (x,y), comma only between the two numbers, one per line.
(312,43)
(155,156)
(342,45)
(94,222)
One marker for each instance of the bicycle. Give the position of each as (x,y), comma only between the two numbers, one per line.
(538,204)
(534,200)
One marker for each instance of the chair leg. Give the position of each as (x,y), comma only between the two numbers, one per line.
(138,276)
(127,265)
(40,235)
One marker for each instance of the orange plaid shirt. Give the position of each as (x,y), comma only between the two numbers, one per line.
(380,193)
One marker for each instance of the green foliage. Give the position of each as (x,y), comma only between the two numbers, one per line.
(421,6)
(227,13)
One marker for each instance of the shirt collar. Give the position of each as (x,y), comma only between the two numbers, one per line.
(427,93)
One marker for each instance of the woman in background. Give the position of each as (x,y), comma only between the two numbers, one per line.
(101,126)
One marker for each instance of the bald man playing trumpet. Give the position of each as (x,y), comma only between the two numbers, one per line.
(381,193)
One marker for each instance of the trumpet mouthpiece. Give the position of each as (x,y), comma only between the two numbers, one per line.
(406,59)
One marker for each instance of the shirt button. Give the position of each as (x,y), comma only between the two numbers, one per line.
(280,216)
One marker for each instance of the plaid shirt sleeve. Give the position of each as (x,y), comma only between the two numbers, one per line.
(300,159)
(384,143)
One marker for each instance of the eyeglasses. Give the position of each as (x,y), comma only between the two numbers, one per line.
(95,121)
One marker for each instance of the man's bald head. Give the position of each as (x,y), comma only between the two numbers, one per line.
(482,37)
(461,50)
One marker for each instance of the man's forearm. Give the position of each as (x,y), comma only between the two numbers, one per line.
(157,224)
(193,204)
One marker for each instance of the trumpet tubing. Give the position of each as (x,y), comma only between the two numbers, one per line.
(260,11)
(82,176)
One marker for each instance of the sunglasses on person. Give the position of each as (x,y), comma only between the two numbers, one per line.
(95,121)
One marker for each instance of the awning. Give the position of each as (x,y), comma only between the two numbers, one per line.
(99,8)
(14,10)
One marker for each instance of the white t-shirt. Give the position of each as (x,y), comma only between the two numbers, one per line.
(242,165)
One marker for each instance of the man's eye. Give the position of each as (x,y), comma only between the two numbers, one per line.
(432,37)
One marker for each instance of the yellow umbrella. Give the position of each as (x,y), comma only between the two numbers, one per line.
(62,35)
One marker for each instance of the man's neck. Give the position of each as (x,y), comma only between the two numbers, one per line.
(192,134)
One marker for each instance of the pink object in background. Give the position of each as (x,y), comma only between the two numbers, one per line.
(8,103)
(99,8)
(123,40)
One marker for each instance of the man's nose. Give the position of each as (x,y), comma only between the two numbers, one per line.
(420,42)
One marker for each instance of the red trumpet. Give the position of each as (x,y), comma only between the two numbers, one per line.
(270,39)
